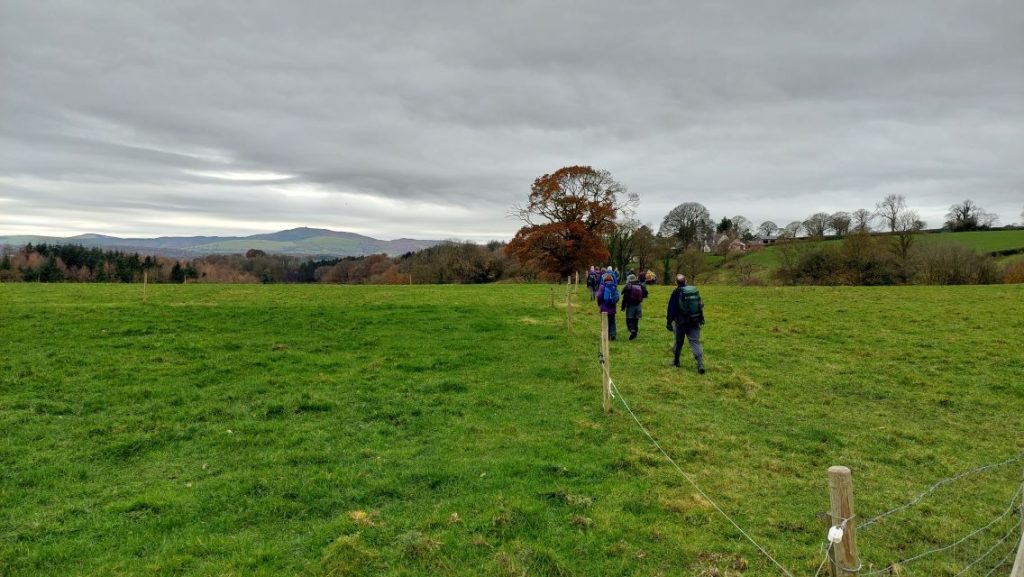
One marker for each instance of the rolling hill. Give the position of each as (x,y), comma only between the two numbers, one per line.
(298,242)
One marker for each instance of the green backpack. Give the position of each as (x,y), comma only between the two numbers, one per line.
(691,309)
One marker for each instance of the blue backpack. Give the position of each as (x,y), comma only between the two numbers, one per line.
(611,293)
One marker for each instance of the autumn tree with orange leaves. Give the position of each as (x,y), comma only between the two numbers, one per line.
(566,215)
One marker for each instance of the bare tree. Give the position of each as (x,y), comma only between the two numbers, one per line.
(963,216)
(817,224)
(768,229)
(889,210)
(907,226)
(969,216)
(987,219)
(840,223)
(862,219)
(792,229)
(688,224)
(742,227)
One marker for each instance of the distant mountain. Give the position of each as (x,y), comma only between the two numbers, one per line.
(313,242)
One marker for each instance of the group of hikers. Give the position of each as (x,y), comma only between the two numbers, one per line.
(684,317)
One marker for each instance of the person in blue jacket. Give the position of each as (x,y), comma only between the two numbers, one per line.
(607,298)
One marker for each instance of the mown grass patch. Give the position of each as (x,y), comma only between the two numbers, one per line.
(301,430)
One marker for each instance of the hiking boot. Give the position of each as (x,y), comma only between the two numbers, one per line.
(700,367)
(632,335)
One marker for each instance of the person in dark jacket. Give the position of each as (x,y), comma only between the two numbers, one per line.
(593,281)
(631,304)
(605,294)
(685,326)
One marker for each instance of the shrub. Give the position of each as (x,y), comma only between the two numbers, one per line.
(949,264)
(1014,273)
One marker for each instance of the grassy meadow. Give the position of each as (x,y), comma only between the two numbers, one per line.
(457,430)
(981,241)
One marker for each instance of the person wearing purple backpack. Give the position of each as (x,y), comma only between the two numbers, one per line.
(607,298)
(633,294)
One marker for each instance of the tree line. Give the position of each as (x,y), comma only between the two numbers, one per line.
(579,216)
(447,262)
(574,218)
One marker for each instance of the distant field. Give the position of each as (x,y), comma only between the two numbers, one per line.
(457,430)
(981,241)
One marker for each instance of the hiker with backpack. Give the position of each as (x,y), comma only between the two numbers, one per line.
(593,281)
(607,298)
(633,294)
(614,273)
(685,317)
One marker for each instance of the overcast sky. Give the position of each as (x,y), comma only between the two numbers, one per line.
(430,119)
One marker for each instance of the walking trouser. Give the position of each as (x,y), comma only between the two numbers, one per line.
(692,334)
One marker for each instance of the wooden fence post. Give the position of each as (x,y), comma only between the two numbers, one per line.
(606,370)
(1018,562)
(145,285)
(568,301)
(552,297)
(845,560)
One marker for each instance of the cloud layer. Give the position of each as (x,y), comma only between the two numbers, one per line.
(430,119)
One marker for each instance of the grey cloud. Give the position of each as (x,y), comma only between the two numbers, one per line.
(417,119)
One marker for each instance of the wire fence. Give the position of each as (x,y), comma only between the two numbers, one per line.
(1016,503)
(937,486)
(1010,509)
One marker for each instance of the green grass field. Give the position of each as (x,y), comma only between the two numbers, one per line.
(981,241)
(458,430)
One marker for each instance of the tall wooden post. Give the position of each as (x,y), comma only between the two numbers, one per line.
(568,301)
(845,560)
(145,285)
(552,297)
(606,370)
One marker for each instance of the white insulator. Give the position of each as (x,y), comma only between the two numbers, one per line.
(835,534)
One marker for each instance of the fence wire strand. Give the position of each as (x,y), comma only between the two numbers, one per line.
(1001,562)
(989,552)
(695,485)
(936,487)
(1010,509)
(828,555)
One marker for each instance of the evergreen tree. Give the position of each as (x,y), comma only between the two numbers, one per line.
(49,272)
